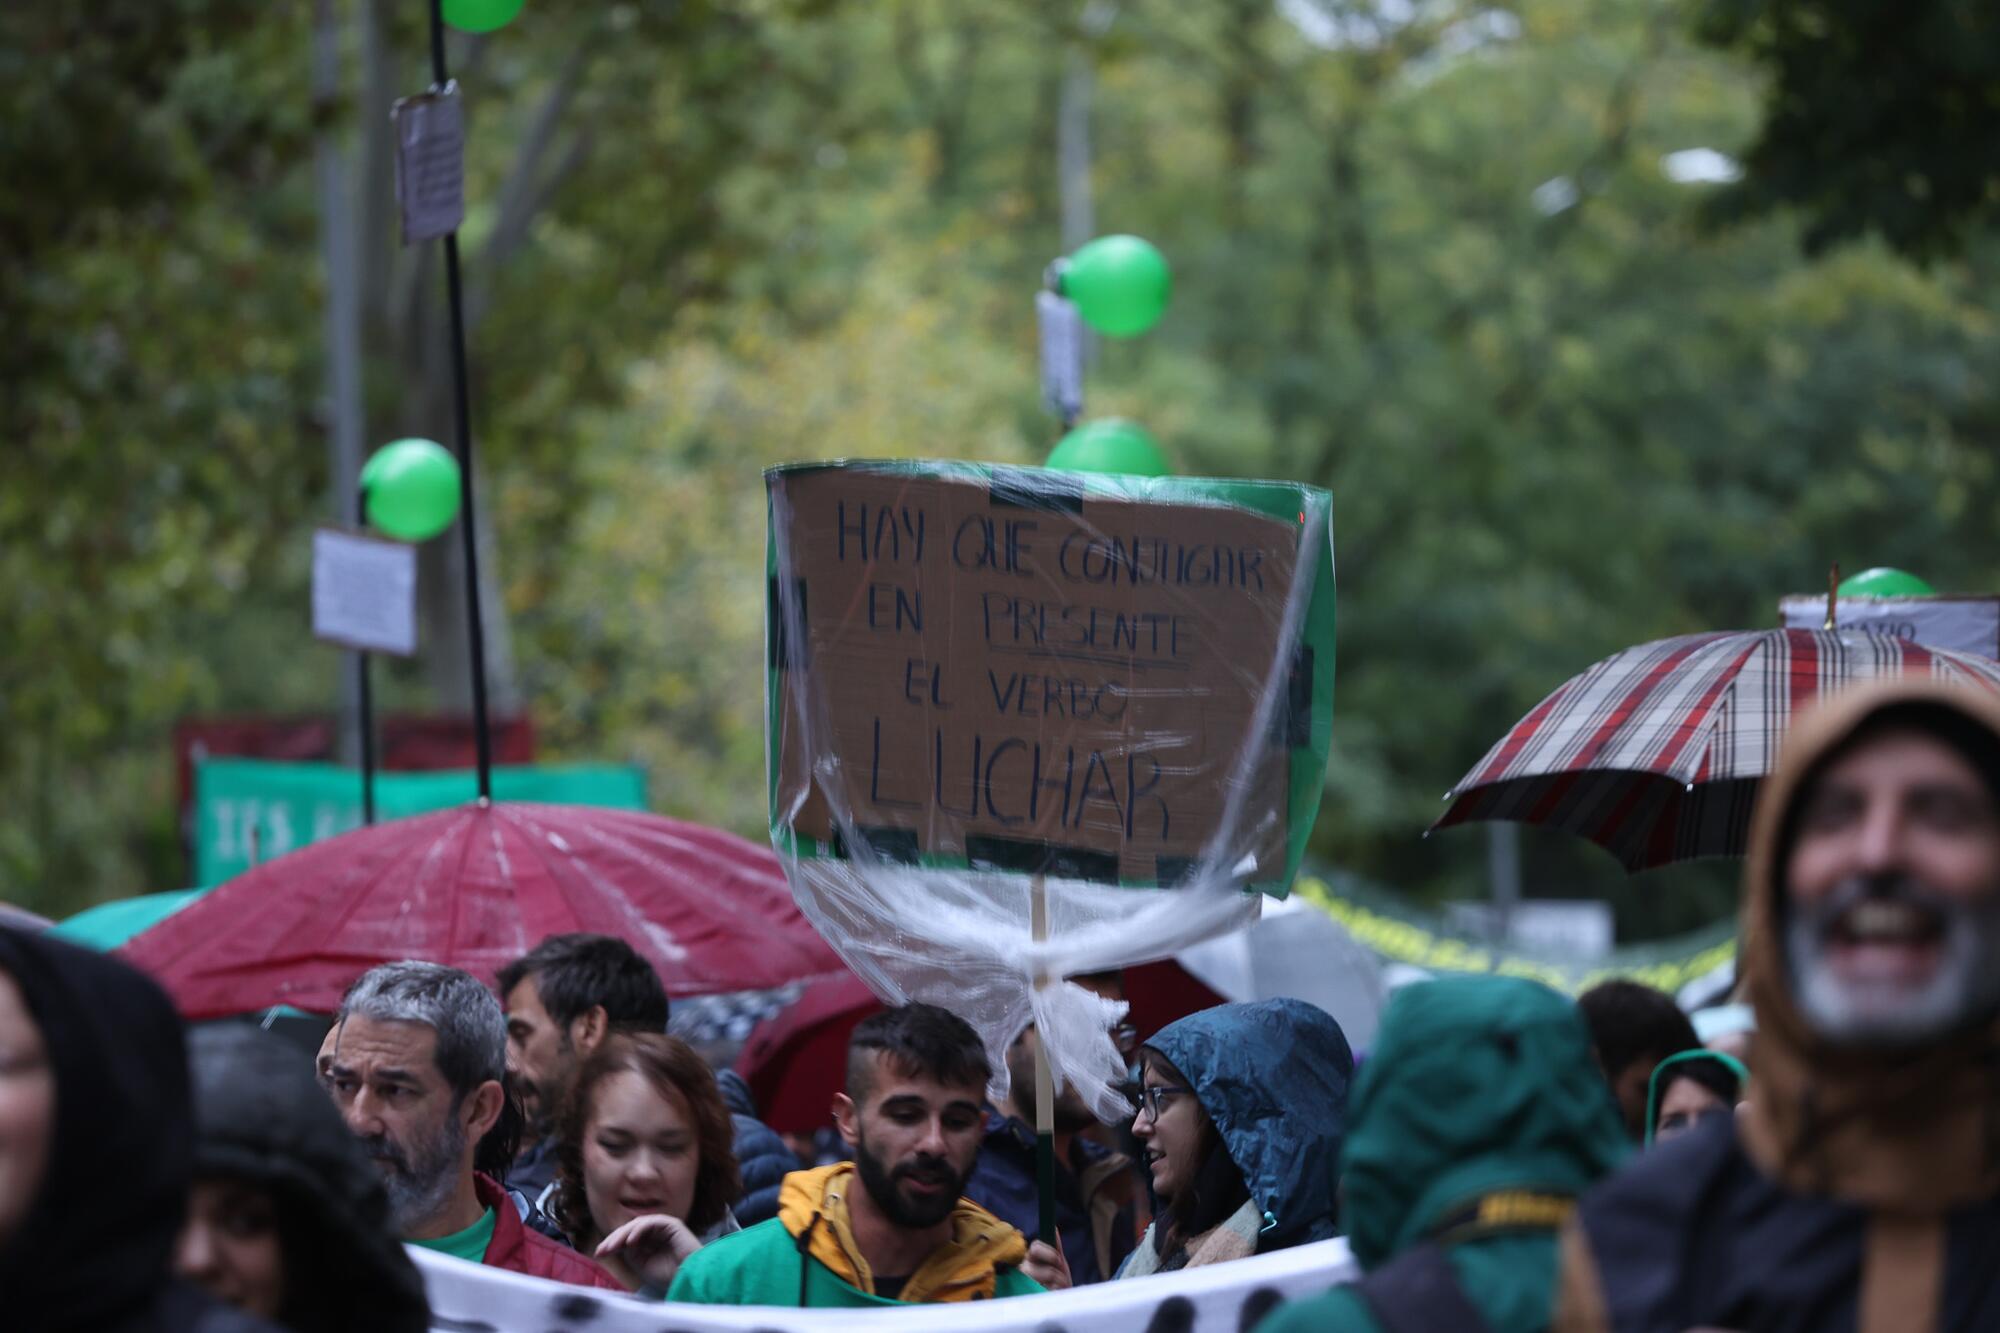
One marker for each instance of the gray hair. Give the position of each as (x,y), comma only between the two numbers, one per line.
(471,1031)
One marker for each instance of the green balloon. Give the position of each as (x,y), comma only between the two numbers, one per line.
(1110,445)
(412,489)
(1885,582)
(1120,285)
(372,468)
(480,15)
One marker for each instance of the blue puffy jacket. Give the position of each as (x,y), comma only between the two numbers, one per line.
(761,1155)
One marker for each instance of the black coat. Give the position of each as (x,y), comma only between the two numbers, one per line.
(1694,1235)
(95,1250)
(261,1116)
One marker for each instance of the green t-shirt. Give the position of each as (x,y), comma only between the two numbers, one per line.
(469,1244)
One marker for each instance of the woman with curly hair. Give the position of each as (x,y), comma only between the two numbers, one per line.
(646,1167)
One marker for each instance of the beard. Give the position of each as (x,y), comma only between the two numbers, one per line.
(1963,987)
(882,1183)
(541,1099)
(419,1178)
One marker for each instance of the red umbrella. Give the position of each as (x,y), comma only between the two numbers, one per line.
(476,887)
(1655,753)
(796,1060)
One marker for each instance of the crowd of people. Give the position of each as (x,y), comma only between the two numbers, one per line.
(1502,1159)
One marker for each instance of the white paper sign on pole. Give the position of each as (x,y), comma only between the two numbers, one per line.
(364,592)
(1218,1298)
(430,163)
(1062,354)
(1957,624)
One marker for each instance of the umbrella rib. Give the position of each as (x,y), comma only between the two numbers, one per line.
(561,870)
(713,917)
(457,882)
(544,856)
(394,861)
(606,833)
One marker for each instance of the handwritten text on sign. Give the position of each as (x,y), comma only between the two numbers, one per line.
(1027,677)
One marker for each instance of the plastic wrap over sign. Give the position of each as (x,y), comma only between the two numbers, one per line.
(993,688)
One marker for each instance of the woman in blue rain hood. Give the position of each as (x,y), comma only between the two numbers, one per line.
(1241,1114)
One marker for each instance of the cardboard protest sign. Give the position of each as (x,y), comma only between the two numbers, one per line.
(1012,669)
(1028,724)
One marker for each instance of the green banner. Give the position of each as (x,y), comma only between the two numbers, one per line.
(1399,934)
(252,809)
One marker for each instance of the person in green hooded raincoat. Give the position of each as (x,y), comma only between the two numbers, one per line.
(1474,1125)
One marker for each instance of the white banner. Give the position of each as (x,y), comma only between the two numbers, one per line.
(1223,1298)
(1958,624)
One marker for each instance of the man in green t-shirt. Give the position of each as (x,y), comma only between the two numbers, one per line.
(890,1227)
(415,1064)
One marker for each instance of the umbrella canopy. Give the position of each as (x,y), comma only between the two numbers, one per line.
(797,1060)
(1655,753)
(476,887)
(108,925)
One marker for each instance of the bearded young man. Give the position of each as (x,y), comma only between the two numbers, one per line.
(414,1064)
(890,1227)
(1860,1187)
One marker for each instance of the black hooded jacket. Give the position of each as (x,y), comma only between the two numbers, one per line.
(261,1117)
(95,1250)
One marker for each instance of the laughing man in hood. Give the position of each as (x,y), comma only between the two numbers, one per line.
(1241,1113)
(1860,1187)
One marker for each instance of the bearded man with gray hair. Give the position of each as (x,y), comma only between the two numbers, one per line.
(1859,1187)
(416,1065)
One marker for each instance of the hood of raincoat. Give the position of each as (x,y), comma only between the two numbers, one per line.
(261,1117)
(97,1242)
(1474,1085)
(1272,1075)
(1915,1130)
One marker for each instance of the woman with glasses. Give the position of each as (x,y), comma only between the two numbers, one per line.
(1234,1179)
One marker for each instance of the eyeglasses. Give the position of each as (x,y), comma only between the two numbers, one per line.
(1152,1094)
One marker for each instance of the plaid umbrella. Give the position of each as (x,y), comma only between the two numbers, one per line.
(1655,753)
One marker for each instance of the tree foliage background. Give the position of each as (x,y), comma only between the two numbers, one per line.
(1445,258)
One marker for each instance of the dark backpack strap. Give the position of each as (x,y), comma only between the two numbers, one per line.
(1417,1292)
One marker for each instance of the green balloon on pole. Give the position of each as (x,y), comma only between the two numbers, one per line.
(481,15)
(1120,285)
(412,489)
(1110,445)
(1885,582)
